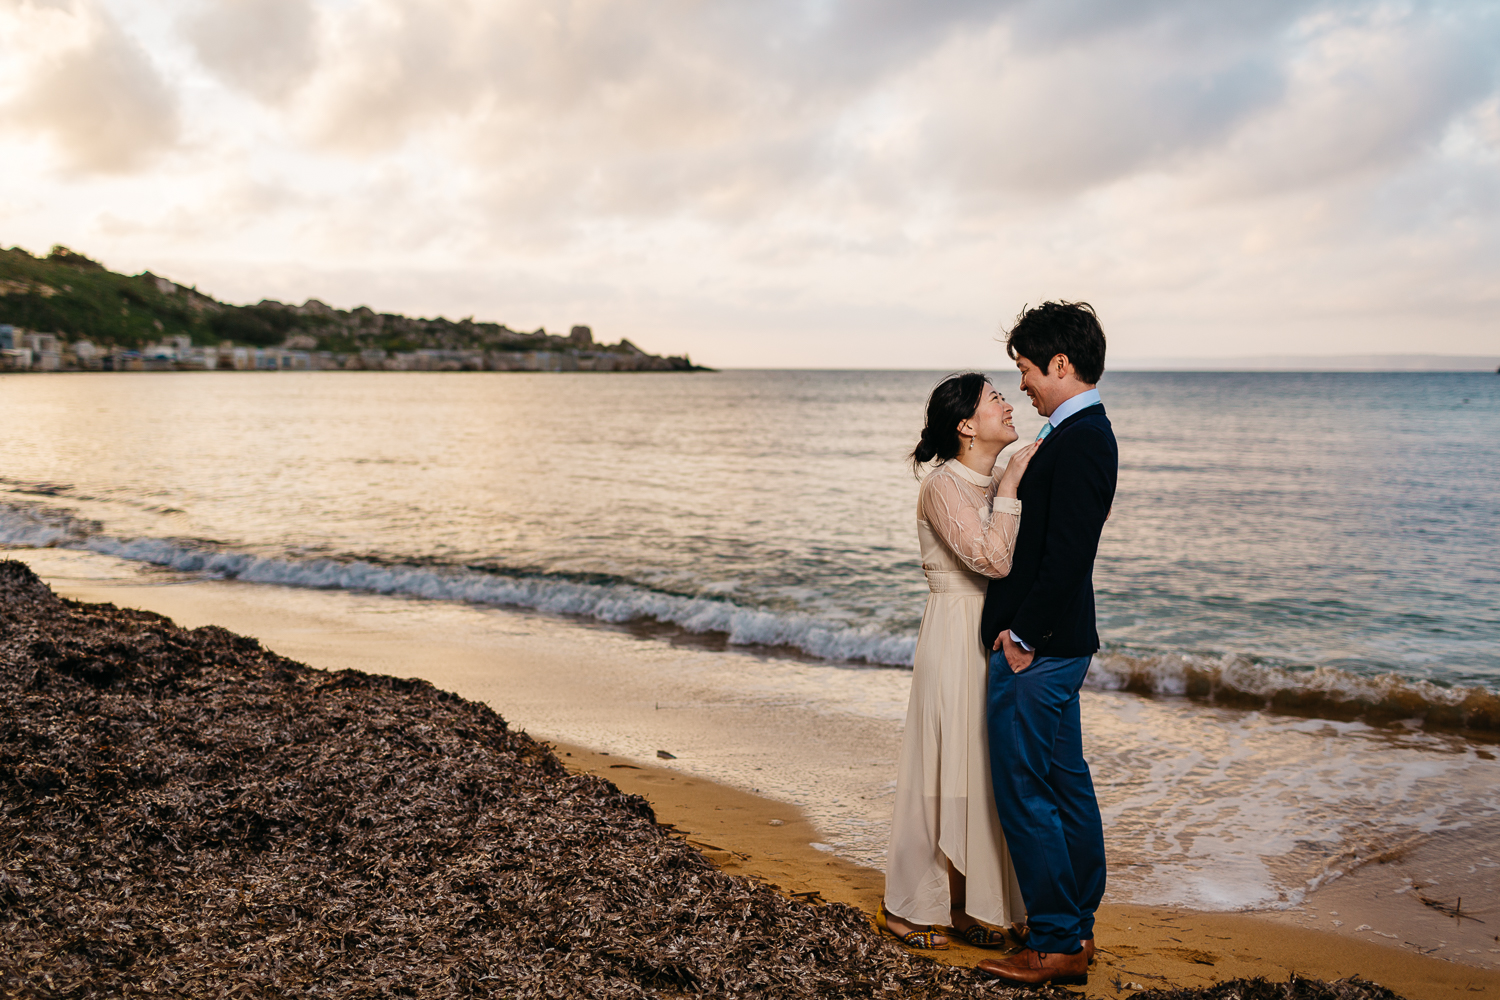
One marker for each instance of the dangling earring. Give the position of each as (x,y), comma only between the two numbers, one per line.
(971,444)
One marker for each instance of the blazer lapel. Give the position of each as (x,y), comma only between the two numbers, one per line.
(1086,411)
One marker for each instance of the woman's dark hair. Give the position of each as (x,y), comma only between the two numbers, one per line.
(1054,328)
(953,400)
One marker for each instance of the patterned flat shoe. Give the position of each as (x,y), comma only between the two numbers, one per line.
(922,940)
(981,936)
(919,940)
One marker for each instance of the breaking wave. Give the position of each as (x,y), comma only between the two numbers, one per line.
(619,601)
(26,524)
(1325,692)
(1229,679)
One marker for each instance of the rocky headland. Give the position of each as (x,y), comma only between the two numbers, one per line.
(68,312)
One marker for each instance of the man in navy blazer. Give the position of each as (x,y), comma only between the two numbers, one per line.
(1039,624)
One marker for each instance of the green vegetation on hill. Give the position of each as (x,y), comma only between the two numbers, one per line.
(69,294)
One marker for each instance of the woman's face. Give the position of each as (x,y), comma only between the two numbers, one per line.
(991,422)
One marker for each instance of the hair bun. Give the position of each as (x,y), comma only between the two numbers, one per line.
(954,399)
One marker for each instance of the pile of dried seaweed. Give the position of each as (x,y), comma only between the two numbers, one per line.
(188,814)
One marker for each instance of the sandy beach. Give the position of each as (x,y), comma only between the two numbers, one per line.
(1140,946)
(744,833)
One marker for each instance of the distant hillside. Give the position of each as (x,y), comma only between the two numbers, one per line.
(78,298)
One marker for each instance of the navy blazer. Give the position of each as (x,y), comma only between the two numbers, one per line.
(1048,597)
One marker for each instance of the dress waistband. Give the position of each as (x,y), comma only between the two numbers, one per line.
(955,581)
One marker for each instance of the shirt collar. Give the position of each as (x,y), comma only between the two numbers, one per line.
(967,474)
(1071,406)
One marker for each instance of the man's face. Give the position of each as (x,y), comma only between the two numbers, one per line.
(1034,384)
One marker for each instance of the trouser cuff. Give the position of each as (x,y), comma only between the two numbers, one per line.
(1065,944)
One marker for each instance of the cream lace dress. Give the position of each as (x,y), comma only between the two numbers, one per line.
(945,806)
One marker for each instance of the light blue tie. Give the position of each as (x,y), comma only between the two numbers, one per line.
(1046,429)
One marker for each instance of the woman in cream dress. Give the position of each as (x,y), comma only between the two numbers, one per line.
(948,864)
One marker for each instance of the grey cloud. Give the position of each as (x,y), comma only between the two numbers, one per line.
(103,104)
(1192,24)
(565,113)
(837,44)
(1364,94)
(1097,110)
(649,72)
(1240,98)
(265,47)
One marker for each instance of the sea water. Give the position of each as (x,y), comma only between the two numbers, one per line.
(1298,586)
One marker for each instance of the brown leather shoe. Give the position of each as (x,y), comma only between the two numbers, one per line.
(1034,967)
(1088,950)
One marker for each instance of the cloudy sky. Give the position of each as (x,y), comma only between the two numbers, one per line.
(784,182)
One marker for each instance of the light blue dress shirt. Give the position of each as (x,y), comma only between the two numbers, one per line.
(1068,407)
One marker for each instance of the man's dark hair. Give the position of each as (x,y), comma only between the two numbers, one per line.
(1054,328)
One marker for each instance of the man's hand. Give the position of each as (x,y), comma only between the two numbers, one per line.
(1016,658)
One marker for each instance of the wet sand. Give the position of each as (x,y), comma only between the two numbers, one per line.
(536,682)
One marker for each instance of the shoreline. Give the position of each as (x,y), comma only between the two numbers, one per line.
(1465,708)
(1434,693)
(732,827)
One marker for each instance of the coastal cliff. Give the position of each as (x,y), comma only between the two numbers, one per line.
(65,311)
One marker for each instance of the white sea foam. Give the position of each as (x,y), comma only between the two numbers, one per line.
(1184,674)
(611,602)
(1226,678)
(27,524)
(1240,680)
(1236,810)
(36,526)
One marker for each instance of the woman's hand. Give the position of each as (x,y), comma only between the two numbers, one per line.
(1010,479)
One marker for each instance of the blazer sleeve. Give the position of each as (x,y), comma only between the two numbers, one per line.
(1082,491)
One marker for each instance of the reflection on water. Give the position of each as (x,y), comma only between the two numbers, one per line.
(1343,521)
